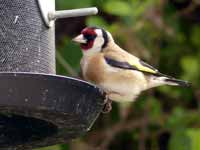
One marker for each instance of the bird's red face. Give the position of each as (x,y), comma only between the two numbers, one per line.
(92,40)
(86,38)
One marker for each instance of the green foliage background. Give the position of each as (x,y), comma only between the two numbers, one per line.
(165,33)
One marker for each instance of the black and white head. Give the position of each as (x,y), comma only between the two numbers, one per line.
(93,39)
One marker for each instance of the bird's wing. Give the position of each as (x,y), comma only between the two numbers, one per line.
(126,61)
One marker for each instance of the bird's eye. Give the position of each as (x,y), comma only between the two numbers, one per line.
(89,36)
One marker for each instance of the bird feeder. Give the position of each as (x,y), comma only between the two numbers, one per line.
(37,107)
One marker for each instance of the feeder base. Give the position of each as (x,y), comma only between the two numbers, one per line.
(41,110)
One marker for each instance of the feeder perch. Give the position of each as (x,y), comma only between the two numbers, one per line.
(37,107)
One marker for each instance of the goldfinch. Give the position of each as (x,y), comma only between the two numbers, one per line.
(118,73)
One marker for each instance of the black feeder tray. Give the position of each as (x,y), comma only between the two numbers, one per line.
(37,107)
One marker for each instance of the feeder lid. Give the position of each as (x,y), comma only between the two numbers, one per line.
(41,109)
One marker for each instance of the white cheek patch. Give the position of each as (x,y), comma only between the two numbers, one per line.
(98,42)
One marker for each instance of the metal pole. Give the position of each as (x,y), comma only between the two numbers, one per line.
(72,13)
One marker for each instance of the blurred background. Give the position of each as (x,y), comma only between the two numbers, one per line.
(166,34)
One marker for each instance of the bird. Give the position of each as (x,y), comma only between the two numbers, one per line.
(121,75)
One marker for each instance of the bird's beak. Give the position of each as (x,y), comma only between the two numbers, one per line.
(79,39)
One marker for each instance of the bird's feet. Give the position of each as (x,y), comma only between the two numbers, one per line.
(107,105)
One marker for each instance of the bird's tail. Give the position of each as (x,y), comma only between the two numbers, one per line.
(177,82)
(173,81)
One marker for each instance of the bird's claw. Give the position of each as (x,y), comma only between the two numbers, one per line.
(107,106)
(107,102)
(103,93)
